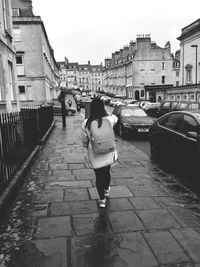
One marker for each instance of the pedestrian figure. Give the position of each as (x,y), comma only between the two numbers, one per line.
(102,162)
(61,99)
(69,102)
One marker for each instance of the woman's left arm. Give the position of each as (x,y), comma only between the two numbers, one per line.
(84,136)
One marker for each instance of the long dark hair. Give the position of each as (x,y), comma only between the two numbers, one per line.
(97,112)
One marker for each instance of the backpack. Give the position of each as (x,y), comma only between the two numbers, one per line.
(103,138)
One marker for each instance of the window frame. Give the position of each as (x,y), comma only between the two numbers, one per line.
(24,89)
(182,119)
(163,65)
(163,120)
(17,37)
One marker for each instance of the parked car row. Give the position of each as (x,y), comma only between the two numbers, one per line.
(168,106)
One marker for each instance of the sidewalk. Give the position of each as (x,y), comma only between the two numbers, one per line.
(150,220)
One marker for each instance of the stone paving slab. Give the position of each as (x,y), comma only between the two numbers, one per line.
(89,224)
(50,195)
(53,227)
(186,217)
(42,253)
(73,207)
(39,210)
(156,219)
(177,201)
(190,240)
(58,166)
(59,173)
(125,221)
(147,190)
(115,192)
(73,158)
(76,166)
(118,204)
(112,250)
(127,181)
(166,249)
(65,177)
(142,203)
(71,194)
(77,184)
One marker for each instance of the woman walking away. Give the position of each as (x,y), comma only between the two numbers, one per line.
(98,137)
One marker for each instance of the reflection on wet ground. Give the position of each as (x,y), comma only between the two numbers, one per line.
(183,173)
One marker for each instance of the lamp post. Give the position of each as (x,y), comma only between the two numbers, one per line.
(196,47)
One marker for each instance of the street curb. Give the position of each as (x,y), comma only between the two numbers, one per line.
(9,194)
(43,140)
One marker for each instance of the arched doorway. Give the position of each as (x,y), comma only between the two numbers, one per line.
(137,95)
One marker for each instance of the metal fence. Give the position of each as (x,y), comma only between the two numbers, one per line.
(20,132)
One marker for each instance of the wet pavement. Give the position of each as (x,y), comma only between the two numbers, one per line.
(150,219)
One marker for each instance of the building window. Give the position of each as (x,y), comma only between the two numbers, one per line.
(15,12)
(188,76)
(142,93)
(16,34)
(21,89)
(163,80)
(20,65)
(19,60)
(176,64)
(163,65)
(177,83)
(177,73)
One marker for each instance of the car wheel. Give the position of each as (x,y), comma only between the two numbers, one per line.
(69,113)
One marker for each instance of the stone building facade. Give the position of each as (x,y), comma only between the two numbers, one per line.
(142,63)
(86,77)
(189,57)
(9,100)
(37,71)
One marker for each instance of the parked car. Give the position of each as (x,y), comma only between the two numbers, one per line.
(187,105)
(131,121)
(57,109)
(129,101)
(113,102)
(176,138)
(152,109)
(106,99)
(166,106)
(119,102)
(143,104)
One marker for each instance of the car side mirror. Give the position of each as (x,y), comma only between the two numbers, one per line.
(193,135)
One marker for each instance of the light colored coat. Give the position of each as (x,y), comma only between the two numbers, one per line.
(98,160)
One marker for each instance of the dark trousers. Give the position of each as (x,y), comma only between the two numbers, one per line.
(102,180)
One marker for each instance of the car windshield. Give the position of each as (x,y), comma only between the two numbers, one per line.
(133,112)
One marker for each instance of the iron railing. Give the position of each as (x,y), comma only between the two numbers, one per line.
(20,133)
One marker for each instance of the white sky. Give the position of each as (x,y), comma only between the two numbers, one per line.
(85,30)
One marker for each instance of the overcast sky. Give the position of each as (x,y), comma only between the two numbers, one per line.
(92,30)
